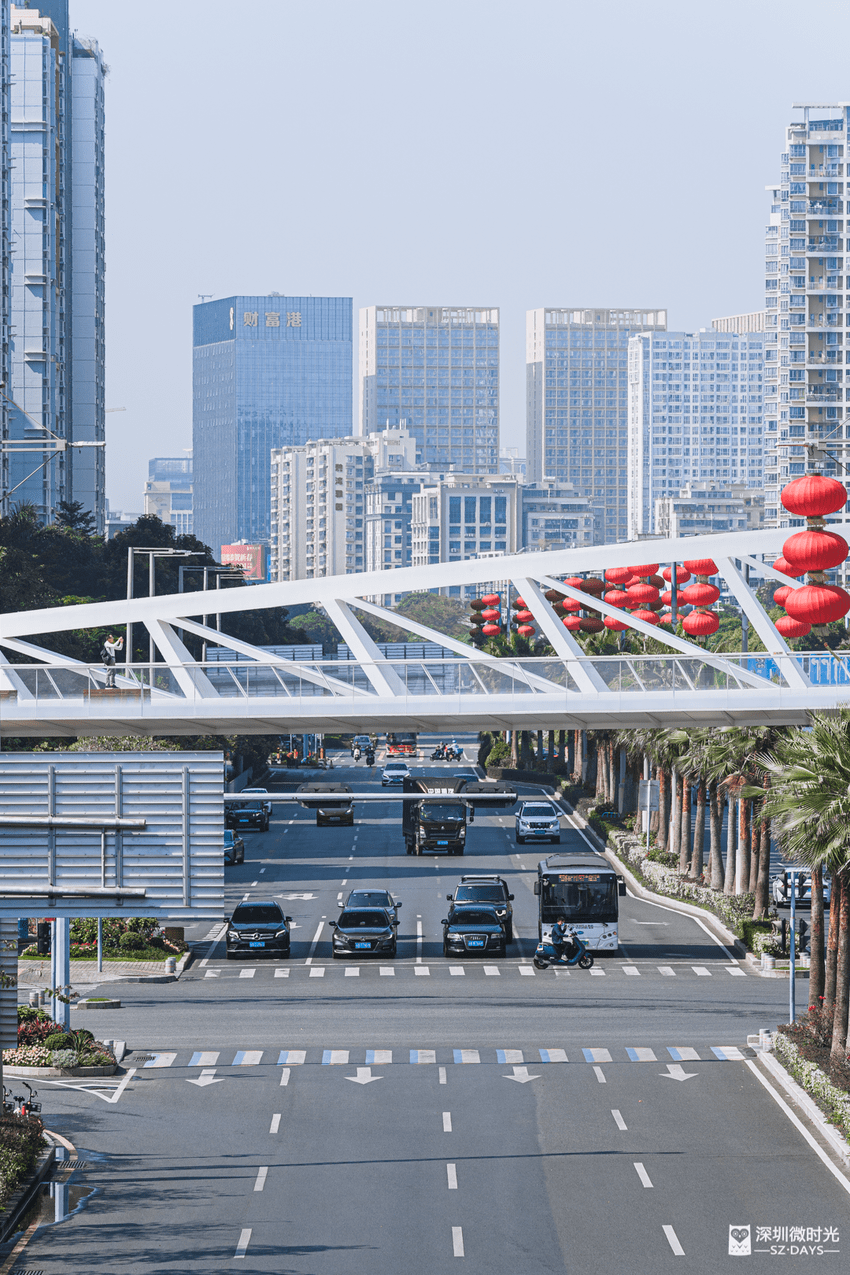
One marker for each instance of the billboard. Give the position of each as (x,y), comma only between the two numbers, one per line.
(253,559)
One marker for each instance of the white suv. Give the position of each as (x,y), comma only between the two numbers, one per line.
(395,772)
(537,821)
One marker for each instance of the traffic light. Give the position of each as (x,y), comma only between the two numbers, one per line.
(42,938)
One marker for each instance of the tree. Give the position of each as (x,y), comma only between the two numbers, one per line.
(72,515)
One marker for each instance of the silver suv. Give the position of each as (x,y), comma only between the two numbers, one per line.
(538,821)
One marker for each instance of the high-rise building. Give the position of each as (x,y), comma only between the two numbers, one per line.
(57,254)
(463,515)
(707,508)
(806,288)
(5,261)
(554,516)
(695,413)
(576,402)
(269,372)
(434,371)
(168,492)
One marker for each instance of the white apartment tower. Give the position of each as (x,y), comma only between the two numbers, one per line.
(806,302)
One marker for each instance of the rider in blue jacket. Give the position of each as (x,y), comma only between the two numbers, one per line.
(562,939)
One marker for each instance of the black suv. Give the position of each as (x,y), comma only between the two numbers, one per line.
(473,929)
(258,928)
(490,890)
(247,814)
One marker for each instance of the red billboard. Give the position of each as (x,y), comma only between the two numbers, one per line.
(251,558)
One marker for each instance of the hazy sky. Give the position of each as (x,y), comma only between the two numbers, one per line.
(457,152)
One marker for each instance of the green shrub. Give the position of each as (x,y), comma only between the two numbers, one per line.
(81,1037)
(29,1013)
(65,1058)
(500,754)
(750,930)
(130,942)
(21,1140)
(58,1040)
(657,855)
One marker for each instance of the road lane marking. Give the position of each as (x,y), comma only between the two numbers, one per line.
(284,1078)
(419,941)
(701,971)
(509,1056)
(801,1128)
(275,1124)
(713,937)
(451,1176)
(281,973)
(253,883)
(247,1058)
(600,1075)
(466,1056)
(386,971)
(457,1241)
(379,1057)
(212,973)
(673,1241)
(244,1241)
(160,1060)
(642,1174)
(526,970)
(683,1053)
(292,1057)
(456,969)
(208,1059)
(641,1055)
(318,971)
(596,1055)
(667,971)
(599,972)
(314,944)
(247,973)
(727,1053)
(618,1119)
(442,1074)
(447,1122)
(631,969)
(492,970)
(262,1174)
(735,971)
(335,1057)
(552,1055)
(421,969)
(352,973)
(423,1055)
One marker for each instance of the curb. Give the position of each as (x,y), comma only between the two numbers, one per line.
(184,961)
(44,1072)
(21,1200)
(797,1094)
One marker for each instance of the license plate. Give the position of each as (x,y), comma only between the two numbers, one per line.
(260,944)
(476,943)
(367,946)
(442,843)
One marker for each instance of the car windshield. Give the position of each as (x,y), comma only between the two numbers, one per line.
(471,917)
(441,810)
(363,921)
(247,805)
(538,812)
(257,913)
(480,893)
(369,899)
(593,897)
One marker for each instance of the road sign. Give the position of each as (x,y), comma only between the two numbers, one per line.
(650,794)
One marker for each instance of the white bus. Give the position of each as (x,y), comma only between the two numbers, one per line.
(584,889)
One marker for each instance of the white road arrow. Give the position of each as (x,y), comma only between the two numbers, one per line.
(521,1076)
(364,1076)
(675,1071)
(207,1077)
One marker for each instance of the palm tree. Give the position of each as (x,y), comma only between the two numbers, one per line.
(809,802)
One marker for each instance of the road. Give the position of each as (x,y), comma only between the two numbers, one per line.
(430,1115)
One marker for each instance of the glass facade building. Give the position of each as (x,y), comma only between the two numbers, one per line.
(57,373)
(268,372)
(577,399)
(695,413)
(433,371)
(168,492)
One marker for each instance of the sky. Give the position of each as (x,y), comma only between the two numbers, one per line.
(458,152)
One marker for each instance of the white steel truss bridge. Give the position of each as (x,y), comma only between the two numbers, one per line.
(255,691)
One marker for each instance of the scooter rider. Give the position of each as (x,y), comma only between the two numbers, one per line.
(562,939)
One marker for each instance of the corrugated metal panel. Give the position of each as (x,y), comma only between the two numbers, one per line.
(177,858)
(8,983)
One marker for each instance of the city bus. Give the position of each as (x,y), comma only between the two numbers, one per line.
(586,890)
(402,743)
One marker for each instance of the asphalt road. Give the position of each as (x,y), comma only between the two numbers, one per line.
(429,1115)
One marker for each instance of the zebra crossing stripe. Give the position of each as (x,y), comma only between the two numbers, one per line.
(292,1057)
(335,1057)
(317,971)
(248,1058)
(509,1056)
(641,1055)
(727,1053)
(203,1060)
(701,971)
(735,971)
(281,973)
(682,1053)
(466,1056)
(378,1057)
(596,1055)
(161,1060)
(423,1055)
(421,969)
(667,971)
(552,1055)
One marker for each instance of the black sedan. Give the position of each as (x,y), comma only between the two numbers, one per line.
(374,899)
(364,932)
(234,847)
(258,929)
(473,930)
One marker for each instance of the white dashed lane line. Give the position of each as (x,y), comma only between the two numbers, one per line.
(447,1122)
(618,1120)
(642,1174)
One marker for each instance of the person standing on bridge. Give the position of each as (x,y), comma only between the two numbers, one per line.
(110,647)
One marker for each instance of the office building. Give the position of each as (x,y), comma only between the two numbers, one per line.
(740,323)
(706,508)
(576,402)
(510,462)
(270,372)
(806,301)
(554,516)
(5,262)
(57,257)
(694,413)
(168,492)
(434,371)
(464,515)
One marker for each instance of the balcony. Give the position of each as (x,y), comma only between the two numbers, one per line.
(826,356)
(824,243)
(824,396)
(816,171)
(824,207)
(825,321)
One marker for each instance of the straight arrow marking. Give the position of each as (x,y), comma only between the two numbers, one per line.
(675,1071)
(364,1076)
(207,1077)
(521,1076)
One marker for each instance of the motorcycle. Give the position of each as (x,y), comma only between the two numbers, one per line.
(370,758)
(545,955)
(356,754)
(439,753)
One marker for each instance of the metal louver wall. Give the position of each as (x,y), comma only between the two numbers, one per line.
(176,858)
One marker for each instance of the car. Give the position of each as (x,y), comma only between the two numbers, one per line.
(234,847)
(362,742)
(781,890)
(473,929)
(374,899)
(363,932)
(491,890)
(538,821)
(335,814)
(258,928)
(395,772)
(267,805)
(246,814)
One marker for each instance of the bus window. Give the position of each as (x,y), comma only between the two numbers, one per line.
(578,900)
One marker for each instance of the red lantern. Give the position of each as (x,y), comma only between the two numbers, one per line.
(791,628)
(571,604)
(519,604)
(526,630)
(783,565)
(702,567)
(492,614)
(812,550)
(641,594)
(817,603)
(574,582)
(667,597)
(492,599)
(491,630)
(618,575)
(699,594)
(667,618)
(611,622)
(781,594)
(594,586)
(590,624)
(524,617)
(648,617)
(814,496)
(682,576)
(572,622)
(701,623)
(645,570)
(616,598)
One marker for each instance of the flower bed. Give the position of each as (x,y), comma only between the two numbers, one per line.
(809,1064)
(43,1043)
(21,1141)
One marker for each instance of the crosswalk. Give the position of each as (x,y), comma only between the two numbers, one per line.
(444,1056)
(511,970)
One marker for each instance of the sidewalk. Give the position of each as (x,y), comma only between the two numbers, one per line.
(36,974)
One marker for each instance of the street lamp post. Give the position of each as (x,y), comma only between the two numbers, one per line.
(229,570)
(152,554)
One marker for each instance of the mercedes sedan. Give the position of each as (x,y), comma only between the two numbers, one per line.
(259,928)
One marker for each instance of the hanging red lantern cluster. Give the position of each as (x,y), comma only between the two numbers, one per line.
(523,618)
(491,613)
(701,622)
(811,552)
